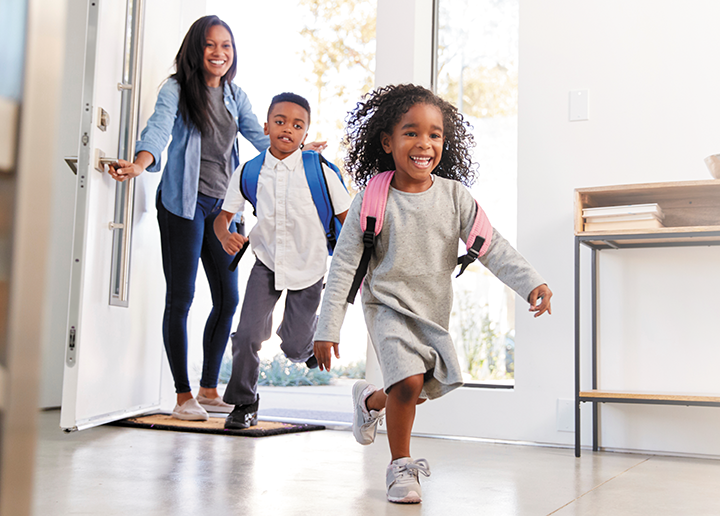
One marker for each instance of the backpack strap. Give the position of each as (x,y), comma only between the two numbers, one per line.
(372,215)
(249,176)
(478,240)
(315,175)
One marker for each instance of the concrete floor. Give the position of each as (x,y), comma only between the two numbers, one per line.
(119,471)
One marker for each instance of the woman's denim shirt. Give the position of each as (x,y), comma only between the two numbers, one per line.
(179,182)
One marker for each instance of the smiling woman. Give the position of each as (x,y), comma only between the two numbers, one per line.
(219,55)
(202,110)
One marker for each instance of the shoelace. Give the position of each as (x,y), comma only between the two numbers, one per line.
(379,417)
(412,469)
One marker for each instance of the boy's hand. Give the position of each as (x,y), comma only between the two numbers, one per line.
(323,353)
(233,243)
(543,295)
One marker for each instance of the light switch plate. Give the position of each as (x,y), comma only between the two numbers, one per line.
(578,105)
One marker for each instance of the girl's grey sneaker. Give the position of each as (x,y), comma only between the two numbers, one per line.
(403,484)
(364,421)
(190,411)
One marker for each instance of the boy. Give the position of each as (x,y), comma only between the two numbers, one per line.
(290,247)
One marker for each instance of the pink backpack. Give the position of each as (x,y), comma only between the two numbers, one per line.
(372,214)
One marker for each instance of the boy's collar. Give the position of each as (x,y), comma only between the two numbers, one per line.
(291,161)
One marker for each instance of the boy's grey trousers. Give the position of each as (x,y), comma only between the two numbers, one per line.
(296,330)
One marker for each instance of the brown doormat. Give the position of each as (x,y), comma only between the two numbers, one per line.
(214,425)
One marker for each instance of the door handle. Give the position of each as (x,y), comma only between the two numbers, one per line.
(100,161)
(72,163)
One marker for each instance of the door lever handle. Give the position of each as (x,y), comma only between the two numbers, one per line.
(100,162)
(72,163)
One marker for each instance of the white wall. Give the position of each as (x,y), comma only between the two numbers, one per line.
(650,69)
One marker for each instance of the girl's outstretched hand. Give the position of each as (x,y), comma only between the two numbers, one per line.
(323,353)
(540,300)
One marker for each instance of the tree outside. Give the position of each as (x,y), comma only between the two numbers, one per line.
(341,55)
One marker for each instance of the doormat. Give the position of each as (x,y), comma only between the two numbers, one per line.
(214,425)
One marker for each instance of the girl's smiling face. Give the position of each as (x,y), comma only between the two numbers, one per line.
(416,145)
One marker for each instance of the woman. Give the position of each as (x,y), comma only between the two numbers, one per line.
(202,110)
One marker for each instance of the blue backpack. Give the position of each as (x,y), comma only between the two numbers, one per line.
(312,162)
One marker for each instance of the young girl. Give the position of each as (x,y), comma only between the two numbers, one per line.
(407,292)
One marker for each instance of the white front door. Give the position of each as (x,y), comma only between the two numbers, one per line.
(113,352)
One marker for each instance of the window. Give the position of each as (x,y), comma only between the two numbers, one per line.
(477,71)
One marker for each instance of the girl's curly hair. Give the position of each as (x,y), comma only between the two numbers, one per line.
(380,111)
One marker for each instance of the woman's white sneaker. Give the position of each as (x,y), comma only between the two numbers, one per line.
(402,481)
(364,421)
(214,404)
(190,411)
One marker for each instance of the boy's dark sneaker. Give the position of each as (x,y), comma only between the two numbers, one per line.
(243,416)
(311,362)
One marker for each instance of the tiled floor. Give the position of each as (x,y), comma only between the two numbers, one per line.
(119,471)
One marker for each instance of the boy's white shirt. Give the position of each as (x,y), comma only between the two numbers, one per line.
(288,237)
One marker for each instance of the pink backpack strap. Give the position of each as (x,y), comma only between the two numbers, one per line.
(372,214)
(375,200)
(478,240)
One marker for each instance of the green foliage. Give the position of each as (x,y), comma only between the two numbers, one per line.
(280,372)
(354,370)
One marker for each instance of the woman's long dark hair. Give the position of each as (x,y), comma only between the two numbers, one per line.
(189,73)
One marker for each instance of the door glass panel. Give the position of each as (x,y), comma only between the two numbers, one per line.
(477,71)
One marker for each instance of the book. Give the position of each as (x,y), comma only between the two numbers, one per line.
(619,225)
(618,218)
(628,209)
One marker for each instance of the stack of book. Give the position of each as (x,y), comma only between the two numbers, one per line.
(631,216)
